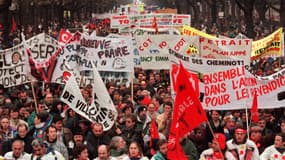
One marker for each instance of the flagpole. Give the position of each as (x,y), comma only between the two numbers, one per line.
(31,80)
(212,132)
(34,94)
(247,126)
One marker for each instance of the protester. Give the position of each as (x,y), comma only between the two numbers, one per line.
(241,147)
(23,135)
(161,154)
(135,152)
(54,143)
(103,153)
(17,151)
(118,148)
(218,149)
(95,138)
(275,151)
(43,152)
(81,153)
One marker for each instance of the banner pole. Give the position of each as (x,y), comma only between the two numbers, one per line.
(212,132)
(34,95)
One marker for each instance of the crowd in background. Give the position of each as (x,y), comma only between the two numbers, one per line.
(42,126)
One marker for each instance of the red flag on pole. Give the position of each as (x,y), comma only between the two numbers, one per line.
(186,103)
(254,109)
(14,25)
(154,24)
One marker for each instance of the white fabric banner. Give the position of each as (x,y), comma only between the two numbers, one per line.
(109,54)
(154,50)
(101,112)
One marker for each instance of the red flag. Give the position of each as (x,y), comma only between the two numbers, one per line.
(64,37)
(186,104)
(153,132)
(254,109)
(154,25)
(14,25)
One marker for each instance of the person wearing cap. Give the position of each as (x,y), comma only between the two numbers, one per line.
(143,120)
(43,152)
(218,149)
(241,147)
(77,140)
(275,151)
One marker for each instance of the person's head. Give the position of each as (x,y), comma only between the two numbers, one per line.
(14,112)
(279,141)
(215,115)
(255,133)
(117,142)
(262,122)
(81,152)
(22,130)
(219,142)
(41,107)
(51,133)
(103,152)
(282,125)
(240,135)
(162,146)
(48,98)
(41,117)
(142,113)
(167,107)
(5,122)
(229,121)
(57,121)
(23,96)
(39,147)
(18,148)
(151,108)
(78,137)
(135,150)
(97,129)
(130,121)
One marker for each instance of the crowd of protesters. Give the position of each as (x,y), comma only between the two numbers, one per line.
(37,125)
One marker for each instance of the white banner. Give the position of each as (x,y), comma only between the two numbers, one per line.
(226,49)
(71,95)
(42,46)
(14,68)
(146,20)
(154,50)
(109,54)
(234,89)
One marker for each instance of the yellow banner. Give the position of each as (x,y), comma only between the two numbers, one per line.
(187,30)
(268,46)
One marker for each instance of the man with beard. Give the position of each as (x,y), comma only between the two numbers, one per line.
(143,120)
(241,147)
(51,138)
(161,154)
(77,140)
